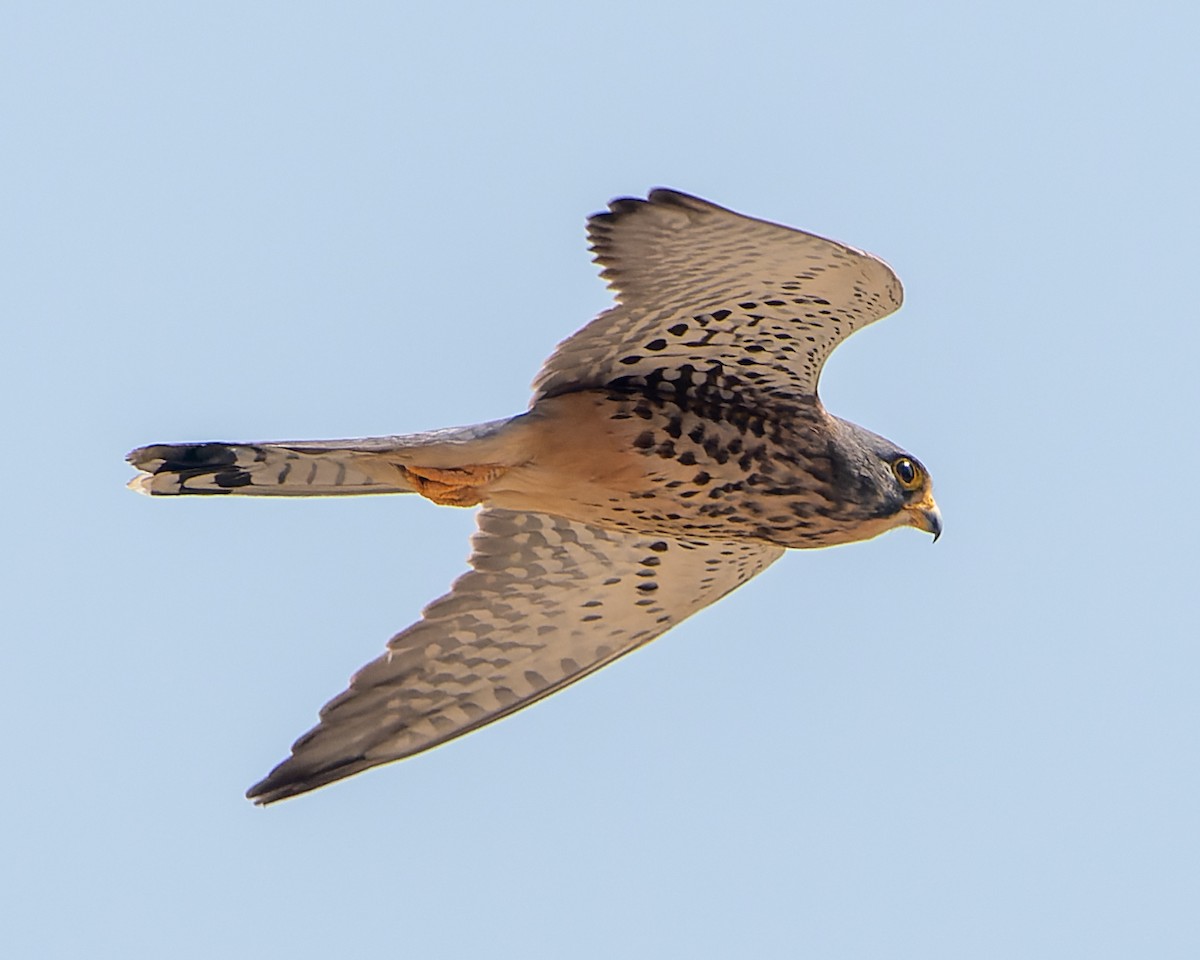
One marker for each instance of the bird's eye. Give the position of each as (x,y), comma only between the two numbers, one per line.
(907,472)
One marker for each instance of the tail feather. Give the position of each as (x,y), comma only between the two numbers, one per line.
(266,469)
(310,468)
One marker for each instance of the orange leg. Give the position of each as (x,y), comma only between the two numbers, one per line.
(453,486)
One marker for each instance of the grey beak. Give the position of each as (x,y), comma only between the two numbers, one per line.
(933,520)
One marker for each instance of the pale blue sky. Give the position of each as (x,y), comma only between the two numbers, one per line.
(248,220)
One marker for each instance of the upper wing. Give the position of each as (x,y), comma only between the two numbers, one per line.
(548,601)
(757,304)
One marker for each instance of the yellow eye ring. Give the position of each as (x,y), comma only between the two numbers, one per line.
(907,473)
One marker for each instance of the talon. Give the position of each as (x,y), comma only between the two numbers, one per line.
(452,486)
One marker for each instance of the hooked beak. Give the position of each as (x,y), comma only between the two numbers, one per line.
(925,515)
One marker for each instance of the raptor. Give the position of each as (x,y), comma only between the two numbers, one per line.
(674,447)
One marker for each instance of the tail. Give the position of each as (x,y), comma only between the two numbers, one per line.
(309,468)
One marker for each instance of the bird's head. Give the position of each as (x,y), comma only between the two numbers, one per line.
(881,486)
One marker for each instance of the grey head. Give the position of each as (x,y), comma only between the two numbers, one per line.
(878,485)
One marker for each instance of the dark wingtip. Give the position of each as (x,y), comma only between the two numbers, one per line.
(624,205)
(666,195)
(600,225)
(287,780)
(662,196)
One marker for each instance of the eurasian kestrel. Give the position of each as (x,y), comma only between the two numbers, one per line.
(674,447)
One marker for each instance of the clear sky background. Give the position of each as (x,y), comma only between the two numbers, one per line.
(251,220)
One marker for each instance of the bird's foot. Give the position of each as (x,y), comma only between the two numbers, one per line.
(453,486)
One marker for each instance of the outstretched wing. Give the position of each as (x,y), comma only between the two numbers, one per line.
(754,307)
(548,602)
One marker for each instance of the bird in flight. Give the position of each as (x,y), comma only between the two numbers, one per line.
(674,447)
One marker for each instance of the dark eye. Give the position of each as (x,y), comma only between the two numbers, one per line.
(907,472)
